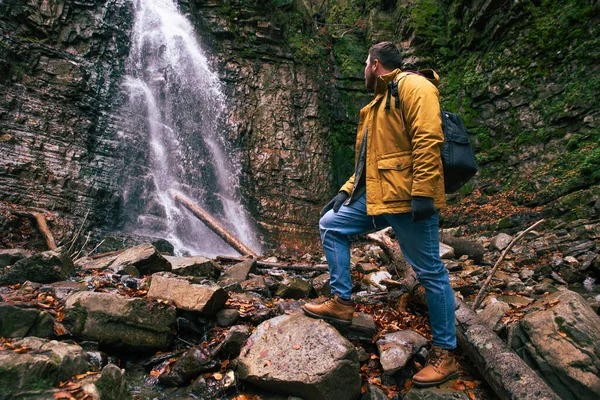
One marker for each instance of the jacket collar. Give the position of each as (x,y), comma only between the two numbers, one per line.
(383,80)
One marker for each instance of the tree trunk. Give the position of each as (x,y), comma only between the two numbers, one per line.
(508,375)
(215,226)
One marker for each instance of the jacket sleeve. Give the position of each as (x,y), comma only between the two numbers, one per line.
(348,186)
(424,124)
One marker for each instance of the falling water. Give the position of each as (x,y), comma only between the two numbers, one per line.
(175,110)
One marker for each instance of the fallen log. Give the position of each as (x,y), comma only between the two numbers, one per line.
(392,249)
(42,226)
(508,375)
(269,264)
(215,226)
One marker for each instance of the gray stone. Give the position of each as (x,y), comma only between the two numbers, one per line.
(500,241)
(256,284)
(234,340)
(21,322)
(10,256)
(560,337)
(118,321)
(48,266)
(238,272)
(206,298)
(294,288)
(493,313)
(63,289)
(145,258)
(321,285)
(397,348)
(194,266)
(302,356)
(112,384)
(446,252)
(44,365)
(191,364)
(227,317)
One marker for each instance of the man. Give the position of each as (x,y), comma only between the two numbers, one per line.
(398,182)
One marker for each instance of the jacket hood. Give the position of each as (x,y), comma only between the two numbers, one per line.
(383,80)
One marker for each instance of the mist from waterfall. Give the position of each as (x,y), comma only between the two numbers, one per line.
(175,111)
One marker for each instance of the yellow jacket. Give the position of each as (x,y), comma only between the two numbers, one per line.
(402,161)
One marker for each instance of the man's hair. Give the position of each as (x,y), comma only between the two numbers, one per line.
(387,53)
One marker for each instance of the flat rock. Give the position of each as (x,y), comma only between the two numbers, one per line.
(302,356)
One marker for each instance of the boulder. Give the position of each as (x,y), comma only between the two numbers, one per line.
(43,365)
(118,321)
(301,356)
(560,338)
(237,273)
(397,348)
(194,266)
(145,258)
(48,266)
(21,322)
(462,247)
(191,364)
(500,242)
(10,256)
(206,298)
(294,288)
(321,284)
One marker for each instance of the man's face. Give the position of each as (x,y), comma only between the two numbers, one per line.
(370,76)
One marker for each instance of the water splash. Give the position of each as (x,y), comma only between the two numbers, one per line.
(176,107)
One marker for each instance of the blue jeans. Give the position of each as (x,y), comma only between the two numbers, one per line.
(419,242)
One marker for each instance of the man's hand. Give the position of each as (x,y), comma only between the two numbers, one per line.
(422,208)
(335,203)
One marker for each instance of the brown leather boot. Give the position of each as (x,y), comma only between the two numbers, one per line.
(334,310)
(442,367)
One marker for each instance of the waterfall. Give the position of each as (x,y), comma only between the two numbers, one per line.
(177,138)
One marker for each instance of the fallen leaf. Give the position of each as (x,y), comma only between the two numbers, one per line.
(297,347)
(217,376)
(62,395)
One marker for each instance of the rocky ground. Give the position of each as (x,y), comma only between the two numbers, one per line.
(140,323)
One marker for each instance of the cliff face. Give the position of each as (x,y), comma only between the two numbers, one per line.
(522,74)
(60,66)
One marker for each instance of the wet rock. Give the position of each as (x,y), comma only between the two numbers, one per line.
(10,256)
(189,366)
(234,340)
(437,393)
(21,322)
(256,284)
(45,267)
(145,258)
(44,365)
(294,288)
(397,348)
(321,284)
(117,321)
(111,383)
(227,317)
(374,393)
(301,356)
(237,273)
(212,389)
(206,298)
(194,266)
(569,361)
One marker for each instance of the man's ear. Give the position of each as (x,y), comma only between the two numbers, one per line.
(375,64)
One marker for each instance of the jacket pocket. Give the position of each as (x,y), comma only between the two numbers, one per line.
(395,174)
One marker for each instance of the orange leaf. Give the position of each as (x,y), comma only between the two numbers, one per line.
(60,329)
(62,395)
(217,376)
(21,350)
(297,347)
